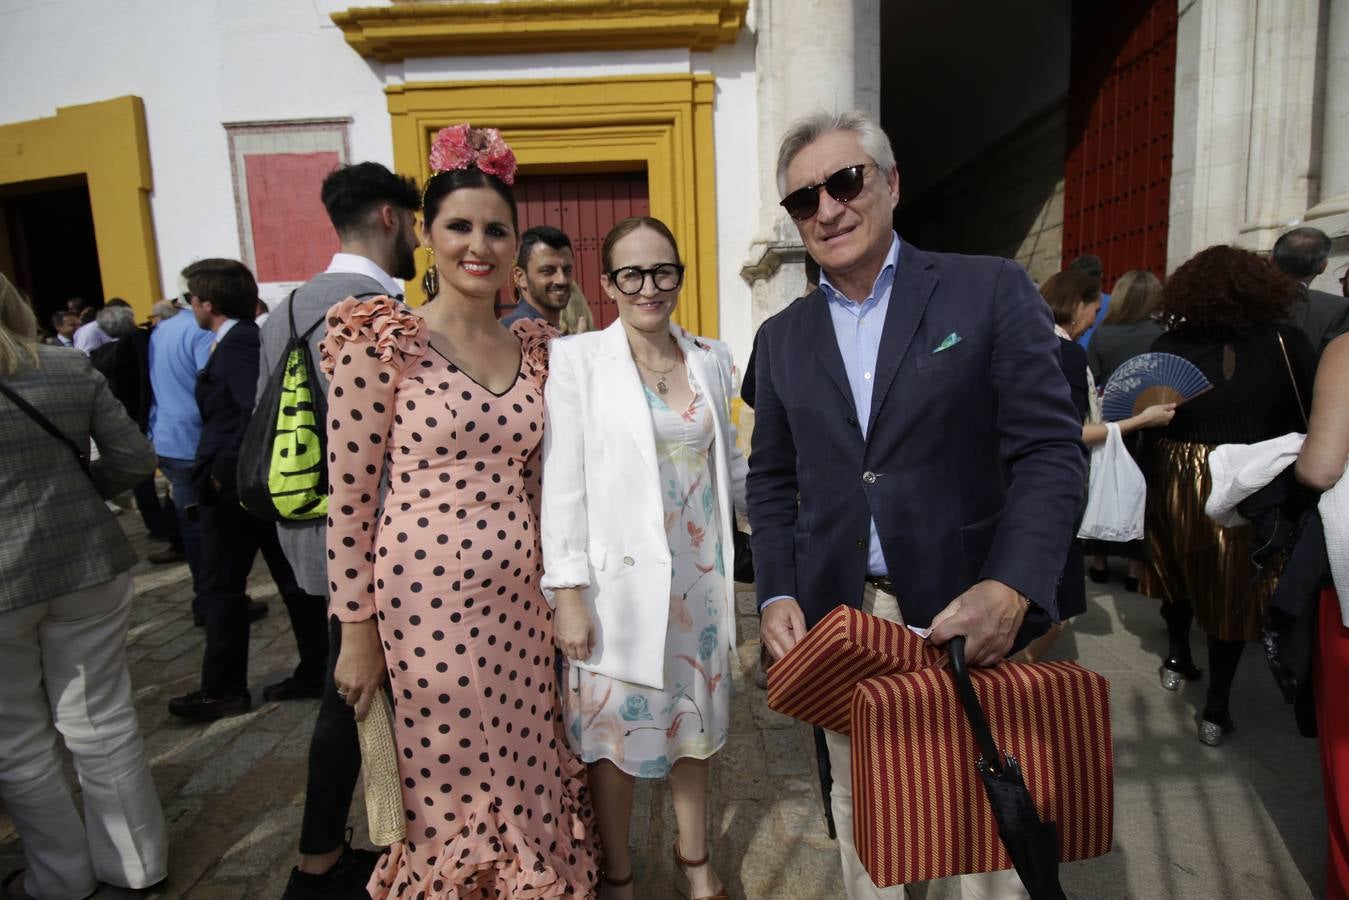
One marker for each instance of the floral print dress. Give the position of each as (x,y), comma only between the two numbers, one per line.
(644,730)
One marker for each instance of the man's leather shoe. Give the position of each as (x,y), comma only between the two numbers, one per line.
(169,554)
(200,708)
(291,689)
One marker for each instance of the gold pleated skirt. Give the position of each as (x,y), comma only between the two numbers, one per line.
(1192,556)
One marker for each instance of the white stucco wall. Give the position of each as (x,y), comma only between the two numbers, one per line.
(200,64)
(196,65)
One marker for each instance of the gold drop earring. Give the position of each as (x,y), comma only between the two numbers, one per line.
(431,280)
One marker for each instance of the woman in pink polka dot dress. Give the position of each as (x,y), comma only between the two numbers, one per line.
(438,585)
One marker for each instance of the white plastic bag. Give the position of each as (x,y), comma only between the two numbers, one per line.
(1116,494)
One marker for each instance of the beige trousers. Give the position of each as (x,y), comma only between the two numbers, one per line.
(856,882)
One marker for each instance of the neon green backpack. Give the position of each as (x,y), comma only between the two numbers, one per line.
(283,465)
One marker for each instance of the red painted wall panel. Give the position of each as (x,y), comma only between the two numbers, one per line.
(1121,100)
(585,207)
(292,237)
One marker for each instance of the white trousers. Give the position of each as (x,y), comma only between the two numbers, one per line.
(856,882)
(63,673)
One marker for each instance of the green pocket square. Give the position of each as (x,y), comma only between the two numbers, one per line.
(947,342)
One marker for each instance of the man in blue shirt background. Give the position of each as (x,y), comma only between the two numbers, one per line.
(178,351)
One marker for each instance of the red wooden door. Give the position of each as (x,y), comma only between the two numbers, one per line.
(1121,97)
(585,207)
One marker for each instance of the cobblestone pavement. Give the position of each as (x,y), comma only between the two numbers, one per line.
(1242,820)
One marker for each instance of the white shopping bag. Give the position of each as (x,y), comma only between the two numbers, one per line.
(1116,494)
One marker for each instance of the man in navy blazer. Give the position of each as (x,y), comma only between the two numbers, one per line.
(224,296)
(915,450)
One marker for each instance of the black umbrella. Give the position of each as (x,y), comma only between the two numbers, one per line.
(1033,845)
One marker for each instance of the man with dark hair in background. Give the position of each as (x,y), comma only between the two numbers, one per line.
(64,324)
(1301,254)
(223,295)
(542,276)
(373,211)
(1091,264)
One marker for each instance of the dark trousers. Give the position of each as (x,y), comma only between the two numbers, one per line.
(230,540)
(151,510)
(179,474)
(334,763)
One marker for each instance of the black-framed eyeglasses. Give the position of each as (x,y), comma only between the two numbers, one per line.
(629,279)
(844,185)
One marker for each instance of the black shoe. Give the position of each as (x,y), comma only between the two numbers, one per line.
(292,689)
(1099,576)
(346,880)
(1131,584)
(200,708)
(166,555)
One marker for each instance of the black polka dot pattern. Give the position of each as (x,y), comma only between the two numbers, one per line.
(496,804)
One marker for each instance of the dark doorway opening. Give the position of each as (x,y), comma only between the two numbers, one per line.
(1035,131)
(49,226)
(585,207)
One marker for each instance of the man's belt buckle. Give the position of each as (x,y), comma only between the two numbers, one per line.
(882,583)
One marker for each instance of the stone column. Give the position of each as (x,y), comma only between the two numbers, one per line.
(1281,179)
(1331,213)
(823,54)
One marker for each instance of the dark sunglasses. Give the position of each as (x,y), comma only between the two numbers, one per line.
(844,185)
(629,279)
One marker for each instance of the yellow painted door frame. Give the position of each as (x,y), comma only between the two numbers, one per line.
(106,143)
(662,123)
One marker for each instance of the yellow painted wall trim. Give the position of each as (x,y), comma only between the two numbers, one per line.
(662,123)
(106,143)
(393,33)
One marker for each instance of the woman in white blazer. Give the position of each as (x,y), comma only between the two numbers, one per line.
(640,477)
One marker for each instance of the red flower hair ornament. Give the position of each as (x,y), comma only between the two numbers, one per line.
(459,147)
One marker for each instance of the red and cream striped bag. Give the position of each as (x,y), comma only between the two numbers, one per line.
(919,808)
(815,681)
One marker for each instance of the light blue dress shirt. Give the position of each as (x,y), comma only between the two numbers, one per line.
(179,349)
(858,327)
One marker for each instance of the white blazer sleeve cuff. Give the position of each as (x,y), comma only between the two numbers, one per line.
(572,570)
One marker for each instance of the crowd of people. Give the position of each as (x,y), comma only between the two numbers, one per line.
(530,538)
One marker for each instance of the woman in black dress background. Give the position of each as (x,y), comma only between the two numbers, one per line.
(1225,310)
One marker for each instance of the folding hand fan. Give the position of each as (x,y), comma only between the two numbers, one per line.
(1149,379)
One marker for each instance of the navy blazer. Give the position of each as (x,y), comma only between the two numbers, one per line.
(973,463)
(225,391)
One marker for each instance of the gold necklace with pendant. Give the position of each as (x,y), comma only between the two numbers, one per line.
(662,387)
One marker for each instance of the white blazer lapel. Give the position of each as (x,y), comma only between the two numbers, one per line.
(706,372)
(620,391)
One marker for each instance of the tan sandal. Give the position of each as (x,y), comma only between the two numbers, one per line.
(682,884)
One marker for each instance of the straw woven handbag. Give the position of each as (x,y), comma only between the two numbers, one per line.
(379,769)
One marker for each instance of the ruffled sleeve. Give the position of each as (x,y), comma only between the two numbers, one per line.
(396,334)
(534,335)
(368,346)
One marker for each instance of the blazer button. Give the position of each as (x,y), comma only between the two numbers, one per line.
(852,420)
(868,477)
(629,561)
(861,545)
